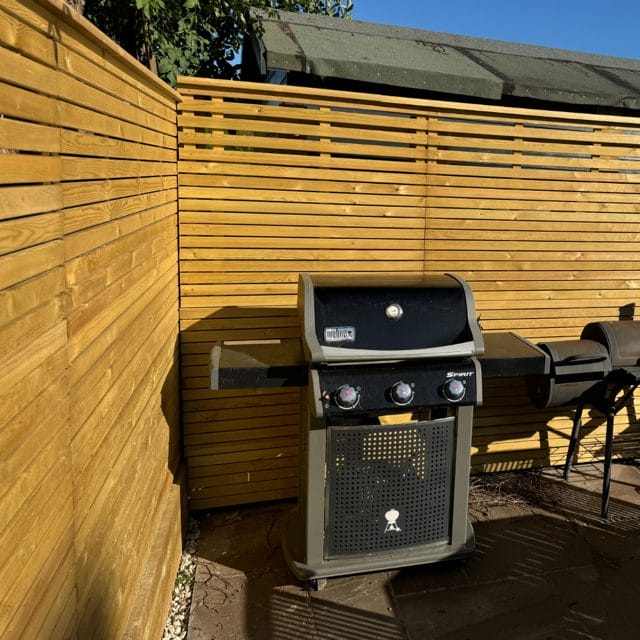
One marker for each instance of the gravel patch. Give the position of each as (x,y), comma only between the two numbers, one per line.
(178,619)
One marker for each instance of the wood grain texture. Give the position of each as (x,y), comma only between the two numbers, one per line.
(536,209)
(89,512)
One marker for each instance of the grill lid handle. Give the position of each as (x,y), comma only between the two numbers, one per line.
(583,359)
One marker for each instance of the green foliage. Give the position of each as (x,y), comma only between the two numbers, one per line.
(192,37)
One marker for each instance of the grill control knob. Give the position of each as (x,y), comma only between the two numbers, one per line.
(347,397)
(453,390)
(401,393)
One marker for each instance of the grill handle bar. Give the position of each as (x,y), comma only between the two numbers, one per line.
(582,359)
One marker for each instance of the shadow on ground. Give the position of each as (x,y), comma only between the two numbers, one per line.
(545,567)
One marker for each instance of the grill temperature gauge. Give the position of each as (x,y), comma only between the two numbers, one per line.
(394,311)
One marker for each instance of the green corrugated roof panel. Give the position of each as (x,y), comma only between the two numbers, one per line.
(444,63)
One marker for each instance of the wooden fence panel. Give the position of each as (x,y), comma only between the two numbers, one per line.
(536,209)
(36,505)
(270,186)
(89,513)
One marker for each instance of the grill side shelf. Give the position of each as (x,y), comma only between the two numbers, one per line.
(281,363)
(257,364)
(508,355)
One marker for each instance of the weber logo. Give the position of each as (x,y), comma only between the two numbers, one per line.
(339,334)
(392,520)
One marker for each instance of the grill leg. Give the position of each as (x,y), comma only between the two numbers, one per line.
(573,441)
(608,454)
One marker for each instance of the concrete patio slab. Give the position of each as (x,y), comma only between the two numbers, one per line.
(546,566)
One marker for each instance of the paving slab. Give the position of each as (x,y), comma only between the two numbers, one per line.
(367,593)
(546,567)
(583,594)
(501,610)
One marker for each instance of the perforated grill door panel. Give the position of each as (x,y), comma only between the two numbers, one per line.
(388,487)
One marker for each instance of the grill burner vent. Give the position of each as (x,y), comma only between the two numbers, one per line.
(390,487)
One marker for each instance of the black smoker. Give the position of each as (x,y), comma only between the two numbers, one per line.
(393,376)
(599,370)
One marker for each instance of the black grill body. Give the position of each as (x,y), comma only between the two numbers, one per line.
(386,424)
(580,371)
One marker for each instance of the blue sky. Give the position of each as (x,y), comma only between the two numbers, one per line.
(610,27)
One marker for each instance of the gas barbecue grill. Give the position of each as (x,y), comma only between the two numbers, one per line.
(393,367)
(380,493)
(600,370)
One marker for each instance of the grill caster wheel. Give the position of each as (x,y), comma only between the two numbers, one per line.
(316,584)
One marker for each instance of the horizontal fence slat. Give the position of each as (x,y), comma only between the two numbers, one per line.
(88,330)
(535,208)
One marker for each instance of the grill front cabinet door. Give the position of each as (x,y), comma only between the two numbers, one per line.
(376,497)
(388,487)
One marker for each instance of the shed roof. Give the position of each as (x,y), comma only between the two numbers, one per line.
(365,52)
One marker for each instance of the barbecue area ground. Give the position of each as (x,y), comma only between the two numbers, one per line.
(546,566)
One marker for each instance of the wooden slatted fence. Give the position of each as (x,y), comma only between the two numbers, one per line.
(536,209)
(90,523)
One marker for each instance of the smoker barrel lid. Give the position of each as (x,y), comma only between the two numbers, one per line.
(620,337)
(577,357)
(365,318)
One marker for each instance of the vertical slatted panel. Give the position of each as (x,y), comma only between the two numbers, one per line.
(271,185)
(90,518)
(536,209)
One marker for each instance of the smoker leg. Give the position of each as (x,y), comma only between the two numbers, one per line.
(573,441)
(608,454)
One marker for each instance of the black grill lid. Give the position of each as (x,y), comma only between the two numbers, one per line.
(356,318)
(577,357)
(621,338)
